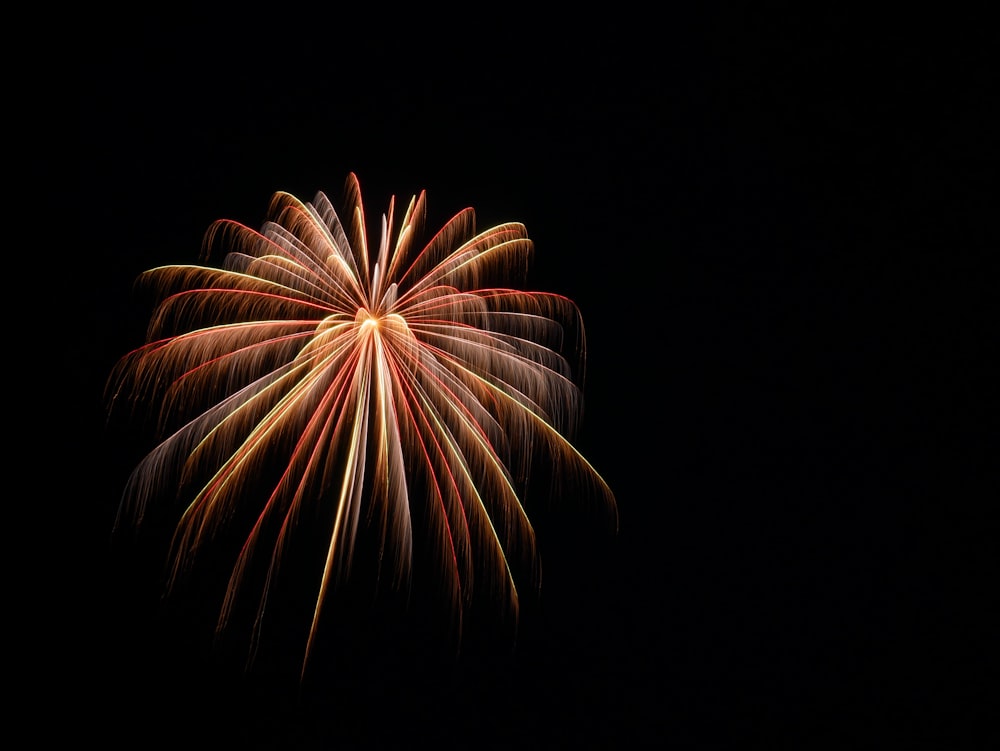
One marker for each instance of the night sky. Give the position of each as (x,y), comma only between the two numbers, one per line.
(777,229)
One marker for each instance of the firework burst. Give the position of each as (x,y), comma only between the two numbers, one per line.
(398,394)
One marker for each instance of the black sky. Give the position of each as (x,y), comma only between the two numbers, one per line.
(778,229)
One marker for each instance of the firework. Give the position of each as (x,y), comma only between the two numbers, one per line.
(388,398)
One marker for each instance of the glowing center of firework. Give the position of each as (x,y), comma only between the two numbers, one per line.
(370,323)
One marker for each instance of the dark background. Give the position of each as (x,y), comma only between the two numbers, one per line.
(779,228)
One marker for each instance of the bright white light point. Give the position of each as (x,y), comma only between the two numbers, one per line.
(364,320)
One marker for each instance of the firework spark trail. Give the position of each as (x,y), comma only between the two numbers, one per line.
(366,378)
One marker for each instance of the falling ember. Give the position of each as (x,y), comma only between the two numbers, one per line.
(406,395)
